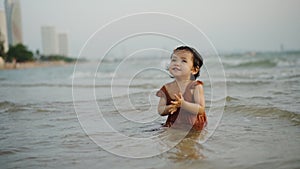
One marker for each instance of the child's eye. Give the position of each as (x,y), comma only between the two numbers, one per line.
(173,60)
(184,61)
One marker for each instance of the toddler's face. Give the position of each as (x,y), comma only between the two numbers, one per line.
(181,64)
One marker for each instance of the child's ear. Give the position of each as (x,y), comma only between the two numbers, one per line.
(195,70)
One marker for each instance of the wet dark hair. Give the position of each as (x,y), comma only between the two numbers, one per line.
(197,58)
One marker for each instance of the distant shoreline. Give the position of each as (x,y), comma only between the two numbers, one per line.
(33,64)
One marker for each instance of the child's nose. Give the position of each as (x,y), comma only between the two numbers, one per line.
(177,63)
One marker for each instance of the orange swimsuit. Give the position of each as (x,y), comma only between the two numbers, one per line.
(182,117)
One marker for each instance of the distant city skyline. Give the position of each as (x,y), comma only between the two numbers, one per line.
(232,25)
(54,42)
(49,40)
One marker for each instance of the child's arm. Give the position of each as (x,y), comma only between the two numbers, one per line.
(164,109)
(199,98)
(195,108)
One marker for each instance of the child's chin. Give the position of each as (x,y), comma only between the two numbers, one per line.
(175,72)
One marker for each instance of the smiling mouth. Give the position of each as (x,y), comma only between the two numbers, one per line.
(177,69)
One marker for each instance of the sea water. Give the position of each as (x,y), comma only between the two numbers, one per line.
(43,113)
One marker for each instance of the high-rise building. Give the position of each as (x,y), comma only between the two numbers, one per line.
(49,40)
(14,21)
(63,48)
(3,31)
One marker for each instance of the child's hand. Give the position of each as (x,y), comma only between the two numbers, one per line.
(177,103)
(172,108)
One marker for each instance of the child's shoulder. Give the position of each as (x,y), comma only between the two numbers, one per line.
(164,90)
(196,83)
(170,84)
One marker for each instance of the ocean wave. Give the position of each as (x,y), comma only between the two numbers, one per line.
(265,63)
(261,78)
(83,75)
(261,111)
(9,151)
(6,105)
(142,86)
(249,82)
(36,85)
(11,107)
(230,98)
(284,76)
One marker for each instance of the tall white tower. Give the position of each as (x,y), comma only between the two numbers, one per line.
(14,21)
(3,30)
(49,40)
(63,44)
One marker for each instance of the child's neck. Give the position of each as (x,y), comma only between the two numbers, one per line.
(182,80)
(182,84)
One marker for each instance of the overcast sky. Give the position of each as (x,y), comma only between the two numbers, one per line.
(231,25)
